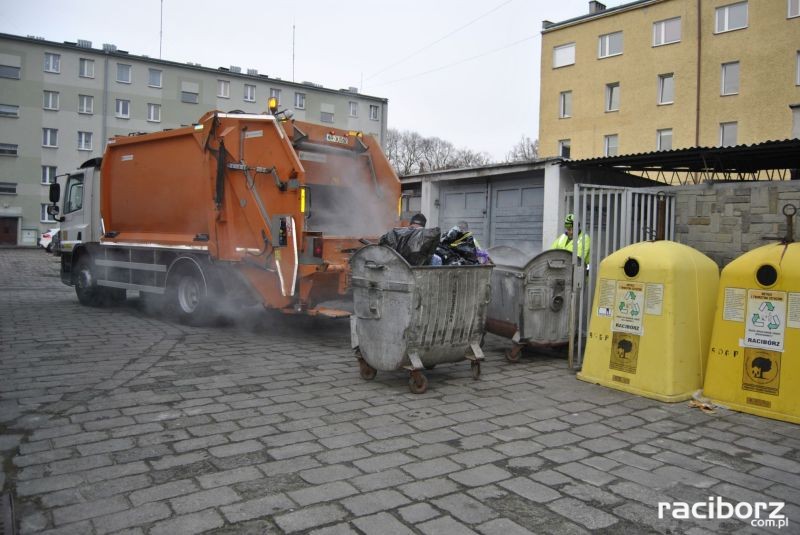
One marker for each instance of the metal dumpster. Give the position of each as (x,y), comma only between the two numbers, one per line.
(414,318)
(530,298)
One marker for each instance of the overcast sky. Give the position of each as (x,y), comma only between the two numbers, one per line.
(466,71)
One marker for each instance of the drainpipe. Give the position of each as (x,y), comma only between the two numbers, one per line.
(697,95)
(105,107)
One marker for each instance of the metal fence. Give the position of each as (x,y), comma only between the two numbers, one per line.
(613,218)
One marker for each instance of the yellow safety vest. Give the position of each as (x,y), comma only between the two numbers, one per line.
(584,245)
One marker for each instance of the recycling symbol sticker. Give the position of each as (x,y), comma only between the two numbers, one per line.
(765,320)
(628,308)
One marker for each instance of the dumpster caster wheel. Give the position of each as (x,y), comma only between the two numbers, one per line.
(367,372)
(476,369)
(417,383)
(430,366)
(512,354)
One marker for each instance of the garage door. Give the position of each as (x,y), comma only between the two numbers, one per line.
(517,213)
(464,202)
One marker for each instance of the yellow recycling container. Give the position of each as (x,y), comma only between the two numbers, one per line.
(651,321)
(754,358)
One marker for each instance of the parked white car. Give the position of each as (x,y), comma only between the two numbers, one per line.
(46,239)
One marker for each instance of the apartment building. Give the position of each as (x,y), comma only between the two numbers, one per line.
(61,102)
(668,74)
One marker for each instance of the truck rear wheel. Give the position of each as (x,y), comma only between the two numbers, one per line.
(189,296)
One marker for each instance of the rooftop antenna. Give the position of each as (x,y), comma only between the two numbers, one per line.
(161,30)
(292,48)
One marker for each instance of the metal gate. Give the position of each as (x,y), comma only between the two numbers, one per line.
(613,218)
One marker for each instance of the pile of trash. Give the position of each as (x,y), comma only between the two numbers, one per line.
(423,247)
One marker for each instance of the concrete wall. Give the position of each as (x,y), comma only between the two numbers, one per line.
(725,220)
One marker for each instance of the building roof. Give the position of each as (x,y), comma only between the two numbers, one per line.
(591,16)
(765,156)
(111,50)
(483,171)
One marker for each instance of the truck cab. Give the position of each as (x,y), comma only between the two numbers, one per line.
(80,222)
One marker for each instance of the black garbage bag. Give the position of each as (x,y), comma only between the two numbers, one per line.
(457,248)
(416,245)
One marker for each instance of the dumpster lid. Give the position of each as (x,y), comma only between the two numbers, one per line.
(505,255)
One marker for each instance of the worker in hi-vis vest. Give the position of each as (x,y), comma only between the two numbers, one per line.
(566,242)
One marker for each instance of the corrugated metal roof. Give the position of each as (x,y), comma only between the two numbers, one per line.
(740,158)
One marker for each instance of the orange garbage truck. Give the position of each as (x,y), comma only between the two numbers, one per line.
(237,208)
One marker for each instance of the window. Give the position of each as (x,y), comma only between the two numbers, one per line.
(276,94)
(50,100)
(190,97)
(353,108)
(49,137)
(86,104)
(9,110)
(8,188)
(730,78)
(48,174)
(565,104)
(73,196)
(564,146)
(154,77)
(154,113)
(794,8)
(667,31)
(7,71)
(611,145)
(326,117)
(373,112)
(795,122)
(8,149)
(223,89)
(84,141)
(664,139)
(731,17)
(563,55)
(300,101)
(86,68)
(609,45)
(249,93)
(727,134)
(797,76)
(44,217)
(666,88)
(123,109)
(123,73)
(612,96)
(52,62)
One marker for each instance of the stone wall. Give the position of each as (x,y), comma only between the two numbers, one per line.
(725,220)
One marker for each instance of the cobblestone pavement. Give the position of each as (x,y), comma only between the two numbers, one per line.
(114,420)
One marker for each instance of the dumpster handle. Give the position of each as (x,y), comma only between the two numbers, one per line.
(488,294)
(370,264)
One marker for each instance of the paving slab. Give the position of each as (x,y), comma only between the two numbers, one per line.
(119,420)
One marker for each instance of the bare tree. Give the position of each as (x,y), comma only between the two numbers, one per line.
(409,153)
(525,150)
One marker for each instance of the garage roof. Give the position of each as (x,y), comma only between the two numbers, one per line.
(769,155)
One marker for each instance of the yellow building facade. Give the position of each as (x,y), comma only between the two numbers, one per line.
(669,74)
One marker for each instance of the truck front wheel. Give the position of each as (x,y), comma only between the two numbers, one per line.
(87,290)
(89,294)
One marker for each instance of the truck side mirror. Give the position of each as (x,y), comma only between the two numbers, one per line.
(53,210)
(55,192)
